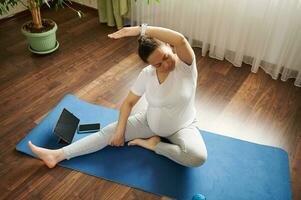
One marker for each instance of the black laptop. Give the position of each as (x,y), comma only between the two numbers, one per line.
(66,126)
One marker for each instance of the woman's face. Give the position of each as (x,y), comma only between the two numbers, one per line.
(163,59)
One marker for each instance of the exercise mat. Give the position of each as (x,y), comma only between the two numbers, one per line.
(235,169)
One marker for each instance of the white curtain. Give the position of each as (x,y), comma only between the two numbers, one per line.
(262,33)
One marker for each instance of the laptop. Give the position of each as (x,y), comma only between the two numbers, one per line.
(66,127)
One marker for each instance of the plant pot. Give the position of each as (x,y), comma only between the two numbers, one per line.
(41,43)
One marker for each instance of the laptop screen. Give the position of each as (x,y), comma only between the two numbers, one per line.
(66,126)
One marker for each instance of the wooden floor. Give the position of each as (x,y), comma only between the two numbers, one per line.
(231,101)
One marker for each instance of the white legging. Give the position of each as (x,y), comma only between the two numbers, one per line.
(186,148)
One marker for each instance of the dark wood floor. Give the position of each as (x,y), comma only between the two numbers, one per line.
(231,101)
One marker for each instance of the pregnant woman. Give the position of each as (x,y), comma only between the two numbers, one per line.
(169,84)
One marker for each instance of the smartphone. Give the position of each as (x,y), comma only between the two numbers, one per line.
(88,128)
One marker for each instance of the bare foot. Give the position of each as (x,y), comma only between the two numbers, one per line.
(149,143)
(48,156)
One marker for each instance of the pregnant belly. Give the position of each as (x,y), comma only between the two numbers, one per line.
(164,122)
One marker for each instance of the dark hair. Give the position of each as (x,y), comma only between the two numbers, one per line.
(147,45)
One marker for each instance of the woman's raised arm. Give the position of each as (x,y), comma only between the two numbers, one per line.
(176,39)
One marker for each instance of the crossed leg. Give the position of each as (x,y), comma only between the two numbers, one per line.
(186,148)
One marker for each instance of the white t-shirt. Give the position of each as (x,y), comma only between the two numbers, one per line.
(171,103)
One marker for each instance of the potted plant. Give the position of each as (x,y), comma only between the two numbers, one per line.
(40,33)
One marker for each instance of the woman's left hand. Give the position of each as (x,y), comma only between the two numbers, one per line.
(125,32)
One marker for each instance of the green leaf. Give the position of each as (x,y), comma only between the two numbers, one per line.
(3,10)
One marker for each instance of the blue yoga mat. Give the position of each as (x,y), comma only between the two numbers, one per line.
(235,169)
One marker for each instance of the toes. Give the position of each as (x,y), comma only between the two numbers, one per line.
(30,144)
(131,143)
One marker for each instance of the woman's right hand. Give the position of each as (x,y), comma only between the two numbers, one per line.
(125,32)
(117,139)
